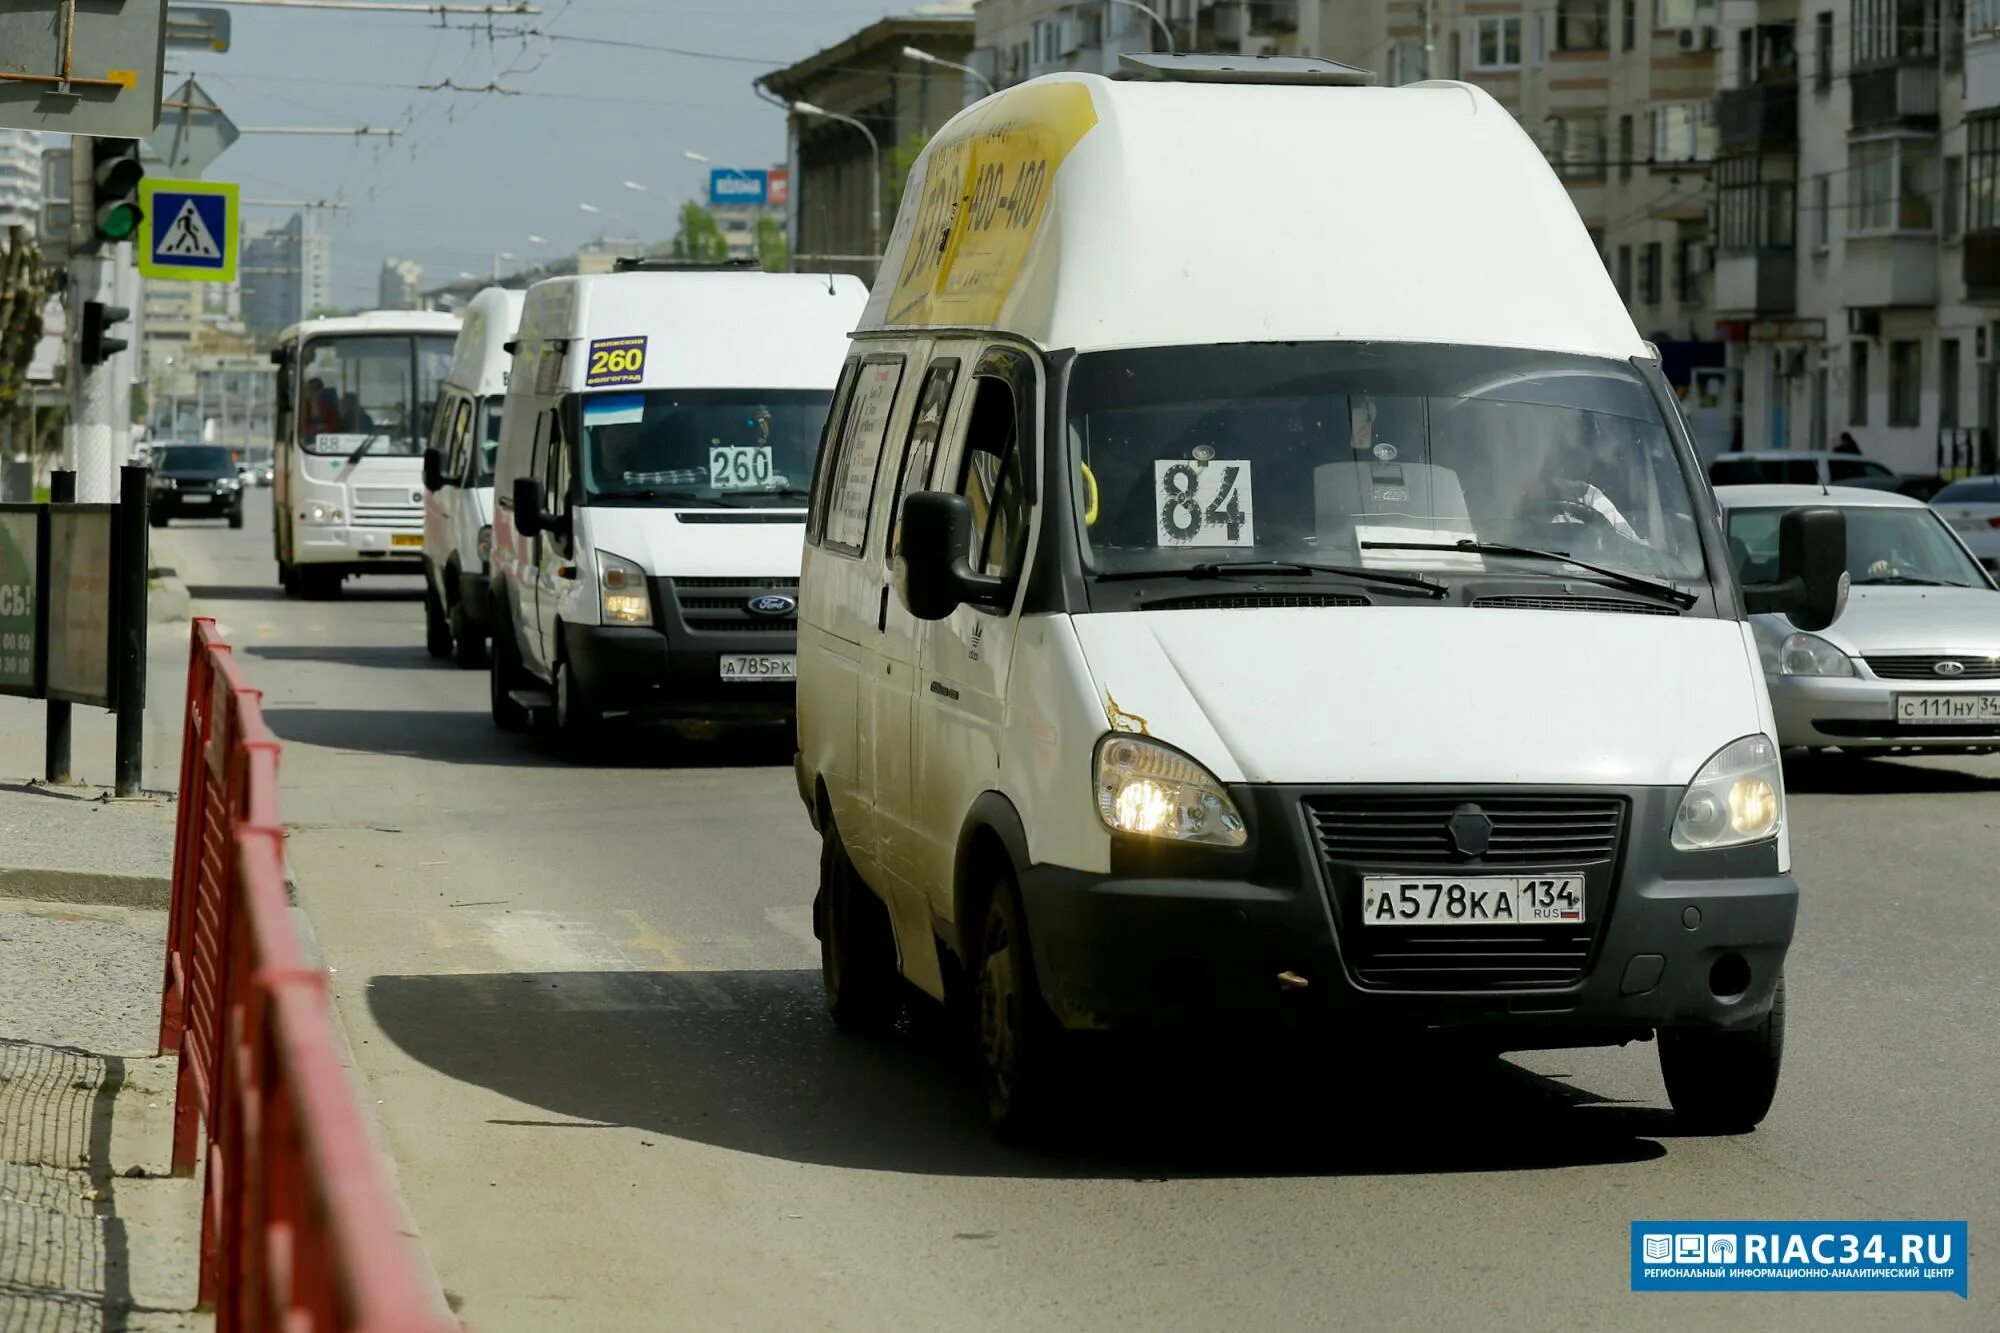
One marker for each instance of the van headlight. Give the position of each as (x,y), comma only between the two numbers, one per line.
(1738,796)
(1809,655)
(621,590)
(1147,788)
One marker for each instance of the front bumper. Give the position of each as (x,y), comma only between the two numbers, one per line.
(636,670)
(1859,713)
(1151,946)
(359,550)
(195,502)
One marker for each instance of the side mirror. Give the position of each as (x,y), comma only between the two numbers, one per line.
(528,506)
(934,574)
(433,470)
(1811,587)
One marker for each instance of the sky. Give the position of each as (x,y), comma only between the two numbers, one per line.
(473,174)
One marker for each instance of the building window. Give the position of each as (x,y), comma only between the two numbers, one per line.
(1906,382)
(1948,384)
(1687,271)
(1951,197)
(1982,18)
(1499,45)
(1752,213)
(1649,274)
(1822,211)
(1624,281)
(1684,132)
(1628,27)
(1583,25)
(1889,30)
(1409,63)
(1982,174)
(1857,384)
(1625,148)
(1576,147)
(1823,50)
(1892,185)
(1683,13)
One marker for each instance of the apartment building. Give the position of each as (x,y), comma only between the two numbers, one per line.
(20,179)
(1016,40)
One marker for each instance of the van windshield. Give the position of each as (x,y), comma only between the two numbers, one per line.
(1316,452)
(714,446)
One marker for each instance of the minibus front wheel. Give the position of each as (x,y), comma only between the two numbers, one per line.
(1019,1039)
(857,951)
(1722,1082)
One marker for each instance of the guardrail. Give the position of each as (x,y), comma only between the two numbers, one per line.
(299,1229)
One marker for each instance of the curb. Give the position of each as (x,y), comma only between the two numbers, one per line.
(167,599)
(97,888)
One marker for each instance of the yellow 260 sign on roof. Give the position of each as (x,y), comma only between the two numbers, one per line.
(985,193)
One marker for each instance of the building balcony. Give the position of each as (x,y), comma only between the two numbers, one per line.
(1891,270)
(1980,265)
(1982,72)
(1891,95)
(1757,282)
(1760,118)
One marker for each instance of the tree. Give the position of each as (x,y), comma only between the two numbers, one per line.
(24,294)
(896,164)
(773,249)
(699,237)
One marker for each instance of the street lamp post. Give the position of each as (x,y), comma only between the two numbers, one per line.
(1152,14)
(874,149)
(924,57)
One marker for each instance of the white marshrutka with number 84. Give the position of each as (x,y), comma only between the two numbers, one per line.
(1203,502)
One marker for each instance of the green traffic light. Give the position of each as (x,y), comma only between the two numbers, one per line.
(117,222)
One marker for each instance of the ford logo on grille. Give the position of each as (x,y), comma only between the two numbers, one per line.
(772,604)
(1949,668)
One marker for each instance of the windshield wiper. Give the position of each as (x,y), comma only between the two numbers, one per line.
(1215,569)
(1666,592)
(1911,579)
(655,494)
(367,443)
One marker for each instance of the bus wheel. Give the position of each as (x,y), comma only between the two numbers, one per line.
(437,630)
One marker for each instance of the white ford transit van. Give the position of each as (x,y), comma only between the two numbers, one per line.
(1326,622)
(655,451)
(458,479)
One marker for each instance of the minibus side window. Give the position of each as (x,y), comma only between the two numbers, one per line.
(823,457)
(454,466)
(926,425)
(557,471)
(991,480)
(851,473)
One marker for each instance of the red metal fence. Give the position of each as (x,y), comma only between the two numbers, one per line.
(299,1229)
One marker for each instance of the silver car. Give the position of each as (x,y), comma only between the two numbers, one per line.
(1913,663)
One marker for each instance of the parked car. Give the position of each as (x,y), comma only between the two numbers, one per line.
(194,480)
(1805,467)
(1972,507)
(1912,663)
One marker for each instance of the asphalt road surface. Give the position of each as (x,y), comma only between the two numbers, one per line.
(587,999)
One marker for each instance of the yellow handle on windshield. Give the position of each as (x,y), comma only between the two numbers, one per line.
(1090,490)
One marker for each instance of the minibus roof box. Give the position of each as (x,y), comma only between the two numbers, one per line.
(629,264)
(1207,67)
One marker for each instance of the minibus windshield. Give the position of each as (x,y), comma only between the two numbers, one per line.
(713,446)
(370,392)
(1350,453)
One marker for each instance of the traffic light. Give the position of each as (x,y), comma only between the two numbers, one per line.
(97,346)
(115,173)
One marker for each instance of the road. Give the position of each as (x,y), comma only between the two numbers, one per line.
(587,1000)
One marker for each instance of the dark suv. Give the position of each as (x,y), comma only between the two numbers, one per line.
(195,480)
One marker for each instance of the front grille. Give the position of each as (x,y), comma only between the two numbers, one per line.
(1362,835)
(1924,667)
(1931,731)
(388,497)
(1613,604)
(1401,831)
(731,516)
(1235,601)
(720,605)
(409,520)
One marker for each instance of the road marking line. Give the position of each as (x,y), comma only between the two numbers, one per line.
(648,939)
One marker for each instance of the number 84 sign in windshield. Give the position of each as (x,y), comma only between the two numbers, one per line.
(1203,502)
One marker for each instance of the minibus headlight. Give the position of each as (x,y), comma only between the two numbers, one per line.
(1810,655)
(1157,792)
(621,590)
(320,514)
(1738,796)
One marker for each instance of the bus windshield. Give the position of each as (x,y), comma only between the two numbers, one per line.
(372,389)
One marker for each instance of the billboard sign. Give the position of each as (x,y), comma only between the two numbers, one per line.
(779,193)
(732,187)
(80,592)
(20,631)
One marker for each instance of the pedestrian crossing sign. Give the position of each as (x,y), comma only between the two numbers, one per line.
(190,230)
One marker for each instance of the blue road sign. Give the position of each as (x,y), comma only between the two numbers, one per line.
(190,230)
(728,185)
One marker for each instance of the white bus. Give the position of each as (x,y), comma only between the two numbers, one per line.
(355,397)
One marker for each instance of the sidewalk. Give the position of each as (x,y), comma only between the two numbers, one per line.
(93,1235)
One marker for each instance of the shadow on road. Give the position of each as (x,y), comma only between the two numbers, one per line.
(397,655)
(401,590)
(749,1061)
(470,737)
(1856,776)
